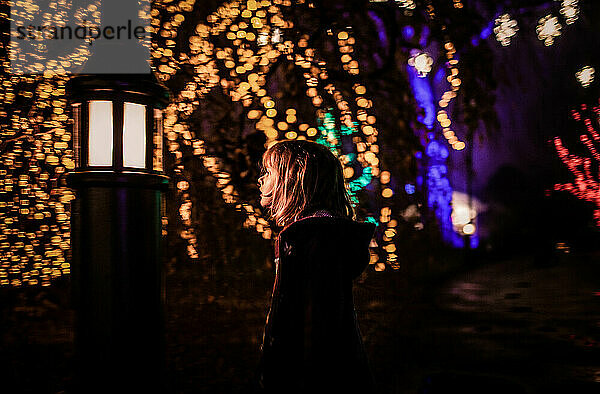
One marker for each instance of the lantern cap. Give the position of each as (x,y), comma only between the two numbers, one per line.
(144,84)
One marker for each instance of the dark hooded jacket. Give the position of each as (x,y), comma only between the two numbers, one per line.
(312,342)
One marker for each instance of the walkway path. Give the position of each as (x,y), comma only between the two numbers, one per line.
(508,326)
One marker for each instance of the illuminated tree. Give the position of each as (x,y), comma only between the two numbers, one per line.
(585,168)
(35,150)
(244,74)
(259,65)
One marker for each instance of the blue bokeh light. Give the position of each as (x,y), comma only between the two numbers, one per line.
(485,33)
(424,96)
(408,32)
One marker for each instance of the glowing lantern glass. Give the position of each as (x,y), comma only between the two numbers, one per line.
(118,123)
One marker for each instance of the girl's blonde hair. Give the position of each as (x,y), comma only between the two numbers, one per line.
(308,177)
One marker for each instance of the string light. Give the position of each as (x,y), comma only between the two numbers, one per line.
(585,76)
(469,229)
(547,29)
(35,149)
(458,4)
(408,5)
(277,36)
(421,61)
(569,10)
(34,208)
(368,154)
(439,195)
(455,82)
(505,28)
(40,138)
(269,118)
(586,183)
(209,77)
(331,137)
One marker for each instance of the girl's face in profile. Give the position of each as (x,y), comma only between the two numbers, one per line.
(266,184)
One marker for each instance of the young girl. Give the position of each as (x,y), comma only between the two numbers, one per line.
(311,341)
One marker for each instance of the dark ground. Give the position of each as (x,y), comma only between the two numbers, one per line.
(496,327)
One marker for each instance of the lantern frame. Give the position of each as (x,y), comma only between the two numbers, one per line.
(118,89)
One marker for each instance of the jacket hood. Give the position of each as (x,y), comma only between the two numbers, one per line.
(336,239)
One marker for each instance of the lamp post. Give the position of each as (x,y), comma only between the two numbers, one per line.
(118,289)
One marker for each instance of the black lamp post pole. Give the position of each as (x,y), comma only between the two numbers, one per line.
(118,287)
